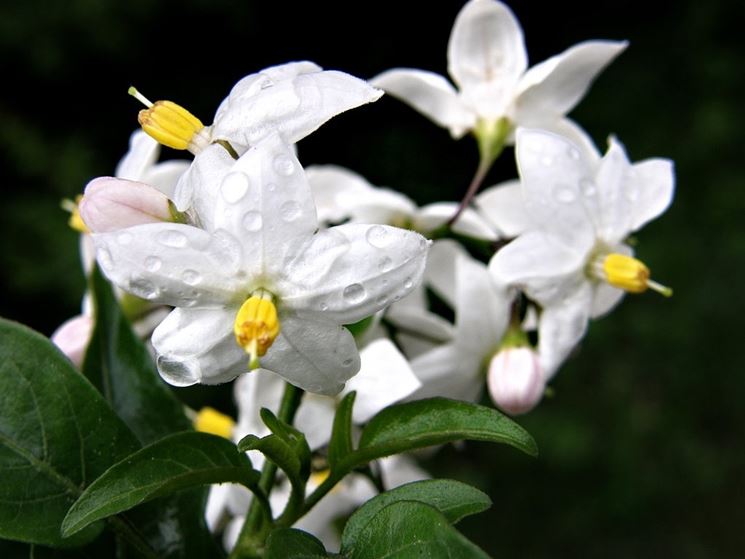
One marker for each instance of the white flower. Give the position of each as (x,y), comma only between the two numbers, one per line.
(259,278)
(487,60)
(574,262)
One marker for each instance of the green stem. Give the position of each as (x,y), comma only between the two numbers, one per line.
(258,523)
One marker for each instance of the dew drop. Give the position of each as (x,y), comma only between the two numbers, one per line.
(385,264)
(104,258)
(347,362)
(381,300)
(124,238)
(252,221)
(378,236)
(354,293)
(173,239)
(408,283)
(588,187)
(153,263)
(266,84)
(234,187)
(271,187)
(191,277)
(179,372)
(143,288)
(283,165)
(290,211)
(324,307)
(564,193)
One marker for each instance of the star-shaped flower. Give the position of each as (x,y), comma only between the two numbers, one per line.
(487,61)
(574,262)
(257,277)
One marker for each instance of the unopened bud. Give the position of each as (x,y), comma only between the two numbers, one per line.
(110,204)
(515,380)
(72,338)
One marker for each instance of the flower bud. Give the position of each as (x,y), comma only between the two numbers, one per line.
(110,204)
(72,338)
(515,379)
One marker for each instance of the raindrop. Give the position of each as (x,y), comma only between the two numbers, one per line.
(153,263)
(408,283)
(290,211)
(385,264)
(191,277)
(284,165)
(354,293)
(252,221)
(347,362)
(378,236)
(179,372)
(381,300)
(104,258)
(564,193)
(124,238)
(234,187)
(171,238)
(143,288)
(266,84)
(324,307)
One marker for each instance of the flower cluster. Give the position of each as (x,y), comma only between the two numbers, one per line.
(313,276)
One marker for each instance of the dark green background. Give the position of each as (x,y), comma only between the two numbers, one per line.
(642,443)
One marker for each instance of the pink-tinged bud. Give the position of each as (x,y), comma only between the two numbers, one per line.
(110,204)
(72,338)
(515,380)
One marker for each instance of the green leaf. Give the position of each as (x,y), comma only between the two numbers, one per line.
(408,529)
(56,435)
(289,543)
(453,499)
(176,462)
(120,366)
(436,421)
(340,444)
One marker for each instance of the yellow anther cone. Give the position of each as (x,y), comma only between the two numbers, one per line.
(209,420)
(630,274)
(256,326)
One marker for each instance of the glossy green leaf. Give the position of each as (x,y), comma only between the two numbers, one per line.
(453,499)
(120,366)
(57,434)
(340,444)
(289,543)
(436,421)
(407,529)
(181,461)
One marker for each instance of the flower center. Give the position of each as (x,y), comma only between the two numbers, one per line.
(256,325)
(171,124)
(626,273)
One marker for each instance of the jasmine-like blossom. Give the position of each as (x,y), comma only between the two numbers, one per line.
(257,278)
(574,262)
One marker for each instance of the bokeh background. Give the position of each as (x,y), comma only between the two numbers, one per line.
(641,445)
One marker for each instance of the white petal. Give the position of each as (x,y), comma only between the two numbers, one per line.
(171,264)
(351,271)
(440,272)
(486,45)
(198,346)
(72,337)
(616,195)
(562,326)
(385,377)
(294,106)
(314,355)
(450,371)
(164,176)
(327,182)
(469,223)
(557,186)
(555,86)
(315,418)
(534,262)
(655,181)
(265,201)
(605,298)
(419,322)
(142,155)
(430,94)
(503,207)
(570,130)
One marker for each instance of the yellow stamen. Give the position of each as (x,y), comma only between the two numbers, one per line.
(75,221)
(209,420)
(256,325)
(171,124)
(630,274)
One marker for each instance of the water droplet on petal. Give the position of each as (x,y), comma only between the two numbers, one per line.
(564,193)
(266,84)
(347,362)
(324,307)
(378,236)
(153,263)
(271,187)
(124,238)
(191,277)
(173,239)
(385,264)
(252,221)
(234,187)
(408,283)
(290,211)
(143,288)
(104,258)
(354,293)
(179,372)
(283,165)
(588,187)
(381,300)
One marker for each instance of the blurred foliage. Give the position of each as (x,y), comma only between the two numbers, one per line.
(642,442)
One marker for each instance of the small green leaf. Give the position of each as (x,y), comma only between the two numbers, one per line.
(341,433)
(407,529)
(453,499)
(120,366)
(279,452)
(57,434)
(295,442)
(436,421)
(289,543)
(177,462)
